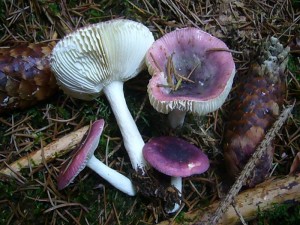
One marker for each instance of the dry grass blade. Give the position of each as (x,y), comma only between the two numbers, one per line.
(65,205)
(176,7)
(223,49)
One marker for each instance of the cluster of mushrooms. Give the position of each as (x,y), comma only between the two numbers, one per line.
(191,72)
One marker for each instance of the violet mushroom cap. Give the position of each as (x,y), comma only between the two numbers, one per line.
(192,50)
(100,57)
(175,157)
(85,157)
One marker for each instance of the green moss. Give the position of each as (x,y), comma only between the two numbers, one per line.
(7,189)
(283,214)
(94,15)
(96,109)
(72,3)
(63,113)
(296,4)
(37,115)
(54,8)
(26,201)
(92,197)
(2,12)
(294,66)
(180,219)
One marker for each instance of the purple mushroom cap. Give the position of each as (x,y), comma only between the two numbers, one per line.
(81,157)
(198,54)
(175,157)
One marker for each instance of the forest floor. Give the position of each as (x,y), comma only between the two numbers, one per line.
(33,198)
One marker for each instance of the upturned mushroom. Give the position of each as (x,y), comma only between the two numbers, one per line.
(85,157)
(101,57)
(192,71)
(175,157)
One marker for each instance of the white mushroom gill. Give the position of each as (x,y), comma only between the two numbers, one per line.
(101,57)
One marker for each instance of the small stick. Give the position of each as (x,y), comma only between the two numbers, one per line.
(239,214)
(223,50)
(170,69)
(164,85)
(183,77)
(192,71)
(178,84)
(47,153)
(179,78)
(156,64)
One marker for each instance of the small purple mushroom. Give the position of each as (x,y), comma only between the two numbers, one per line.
(175,157)
(85,157)
(192,71)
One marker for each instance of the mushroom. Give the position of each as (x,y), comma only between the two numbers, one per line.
(175,157)
(192,71)
(101,57)
(85,157)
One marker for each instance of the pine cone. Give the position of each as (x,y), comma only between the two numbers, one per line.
(257,103)
(25,76)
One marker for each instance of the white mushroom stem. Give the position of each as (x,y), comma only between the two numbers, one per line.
(176,118)
(116,179)
(132,138)
(177,183)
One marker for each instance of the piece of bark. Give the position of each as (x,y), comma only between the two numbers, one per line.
(53,150)
(264,196)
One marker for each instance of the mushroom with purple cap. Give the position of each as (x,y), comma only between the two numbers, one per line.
(100,57)
(192,71)
(175,157)
(85,157)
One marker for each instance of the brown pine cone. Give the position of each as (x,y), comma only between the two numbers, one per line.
(258,101)
(25,75)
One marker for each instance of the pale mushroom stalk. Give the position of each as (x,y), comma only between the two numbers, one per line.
(116,179)
(176,118)
(132,138)
(177,183)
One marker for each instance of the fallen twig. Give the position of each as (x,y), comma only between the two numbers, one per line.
(263,196)
(47,153)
